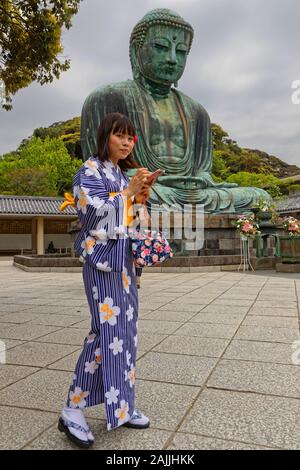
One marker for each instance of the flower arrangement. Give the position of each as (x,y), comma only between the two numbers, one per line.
(247,226)
(291,225)
(149,248)
(265,210)
(264,205)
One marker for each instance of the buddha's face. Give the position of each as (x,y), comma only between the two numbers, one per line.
(163,55)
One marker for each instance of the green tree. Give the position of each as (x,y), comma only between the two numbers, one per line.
(51,165)
(30,42)
(260,180)
(220,170)
(30,182)
(67,131)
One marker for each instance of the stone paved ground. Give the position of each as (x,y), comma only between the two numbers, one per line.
(215,367)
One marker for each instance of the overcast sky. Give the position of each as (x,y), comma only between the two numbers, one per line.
(245,56)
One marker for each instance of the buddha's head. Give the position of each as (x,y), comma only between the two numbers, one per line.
(159,45)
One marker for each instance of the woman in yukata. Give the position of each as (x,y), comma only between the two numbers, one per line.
(105,371)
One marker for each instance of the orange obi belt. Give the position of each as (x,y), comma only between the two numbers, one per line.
(128,203)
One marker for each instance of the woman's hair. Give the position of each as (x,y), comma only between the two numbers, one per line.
(115,122)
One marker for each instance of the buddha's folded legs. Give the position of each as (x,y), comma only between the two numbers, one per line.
(213,200)
(245,197)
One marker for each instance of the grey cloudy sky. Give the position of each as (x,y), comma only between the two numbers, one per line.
(244,58)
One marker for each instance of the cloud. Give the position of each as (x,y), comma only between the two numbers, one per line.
(244,58)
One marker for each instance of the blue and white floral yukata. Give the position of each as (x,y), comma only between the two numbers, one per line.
(105,371)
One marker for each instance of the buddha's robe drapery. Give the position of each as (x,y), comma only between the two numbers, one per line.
(188,180)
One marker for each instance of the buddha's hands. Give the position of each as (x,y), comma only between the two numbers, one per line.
(227,185)
(184,182)
(201,181)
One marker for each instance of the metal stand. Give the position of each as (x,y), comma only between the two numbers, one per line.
(245,255)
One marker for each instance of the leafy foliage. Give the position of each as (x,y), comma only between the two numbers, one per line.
(42,168)
(259,180)
(238,159)
(248,167)
(230,163)
(30,42)
(67,131)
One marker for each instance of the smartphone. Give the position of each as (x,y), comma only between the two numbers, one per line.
(155,175)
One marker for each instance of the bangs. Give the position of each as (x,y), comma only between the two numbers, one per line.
(123,125)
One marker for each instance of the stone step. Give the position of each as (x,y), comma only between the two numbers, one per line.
(190,261)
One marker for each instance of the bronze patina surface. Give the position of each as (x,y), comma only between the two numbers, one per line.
(174,130)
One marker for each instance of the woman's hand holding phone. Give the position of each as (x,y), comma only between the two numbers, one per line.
(144,194)
(153,177)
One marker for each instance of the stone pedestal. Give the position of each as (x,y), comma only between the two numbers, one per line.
(220,250)
(288,267)
(220,247)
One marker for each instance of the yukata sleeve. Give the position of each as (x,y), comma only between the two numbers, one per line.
(102,215)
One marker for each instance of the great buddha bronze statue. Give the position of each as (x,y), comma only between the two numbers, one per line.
(174,131)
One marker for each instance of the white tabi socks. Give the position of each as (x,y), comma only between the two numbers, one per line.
(76,416)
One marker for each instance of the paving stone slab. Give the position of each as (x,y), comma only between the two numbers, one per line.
(3,327)
(45,390)
(273,311)
(199,299)
(244,291)
(19,318)
(155,326)
(12,373)
(67,363)
(10,307)
(58,320)
(267,333)
(184,441)
(11,343)
(280,322)
(75,336)
(246,417)
(175,368)
(191,308)
(223,318)
(68,303)
(207,330)
(37,354)
(207,347)
(178,315)
(278,353)
(230,309)
(232,302)
(153,305)
(147,341)
(49,309)
(276,295)
(19,426)
(83,324)
(165,404)
(27,331)
(24,303)
(237,298)
(283,303)
(158,297)
(271,379)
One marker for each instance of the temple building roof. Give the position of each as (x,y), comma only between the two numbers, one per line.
(34,205)
(290,203)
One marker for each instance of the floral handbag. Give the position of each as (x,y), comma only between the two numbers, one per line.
(149,247)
